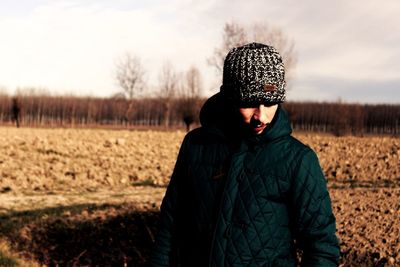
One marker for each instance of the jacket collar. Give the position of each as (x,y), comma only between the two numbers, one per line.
(219,118)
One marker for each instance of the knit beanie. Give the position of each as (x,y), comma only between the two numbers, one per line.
(253,73)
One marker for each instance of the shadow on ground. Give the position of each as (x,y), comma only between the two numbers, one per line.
(83,235)
(105,235)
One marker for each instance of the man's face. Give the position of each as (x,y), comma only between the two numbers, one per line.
(256,118)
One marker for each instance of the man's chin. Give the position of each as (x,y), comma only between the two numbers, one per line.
(254,130)
(258,130)
(250,130)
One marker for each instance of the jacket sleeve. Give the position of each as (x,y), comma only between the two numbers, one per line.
(314,222)
(164,247)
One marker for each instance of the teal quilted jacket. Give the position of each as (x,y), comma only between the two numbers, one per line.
(235,201)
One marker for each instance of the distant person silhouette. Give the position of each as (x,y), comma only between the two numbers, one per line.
(16,111)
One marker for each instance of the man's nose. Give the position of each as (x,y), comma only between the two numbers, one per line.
(259,113)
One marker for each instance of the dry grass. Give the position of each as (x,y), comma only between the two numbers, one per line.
(37,160)
(92,229)
(10,258)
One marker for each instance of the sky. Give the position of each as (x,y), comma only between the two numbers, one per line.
(347,50)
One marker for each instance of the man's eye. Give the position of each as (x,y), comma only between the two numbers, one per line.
(249,105)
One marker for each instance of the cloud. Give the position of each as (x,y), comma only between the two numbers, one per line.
(330,88)
(73,45)
(358,45)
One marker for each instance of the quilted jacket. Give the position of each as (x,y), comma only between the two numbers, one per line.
(245,201)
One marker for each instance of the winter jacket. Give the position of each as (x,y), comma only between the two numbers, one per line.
(245,201)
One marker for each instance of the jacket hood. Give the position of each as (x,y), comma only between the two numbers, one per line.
(221,118)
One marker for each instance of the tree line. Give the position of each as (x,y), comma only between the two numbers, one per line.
(343,118)
(69,111)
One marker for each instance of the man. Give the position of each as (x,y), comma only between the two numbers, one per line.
(15,111)
(244,192)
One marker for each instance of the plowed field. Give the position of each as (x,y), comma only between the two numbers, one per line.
(90,197)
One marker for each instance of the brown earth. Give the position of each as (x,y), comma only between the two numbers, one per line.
(75,196)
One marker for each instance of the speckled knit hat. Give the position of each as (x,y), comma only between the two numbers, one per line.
(253,74)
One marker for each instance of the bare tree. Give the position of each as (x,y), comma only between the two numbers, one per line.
(235,34)
(263,33)
(129,75)
(194,83)
(190,94)
(168,83)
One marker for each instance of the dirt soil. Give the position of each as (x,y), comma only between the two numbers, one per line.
(91,197)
